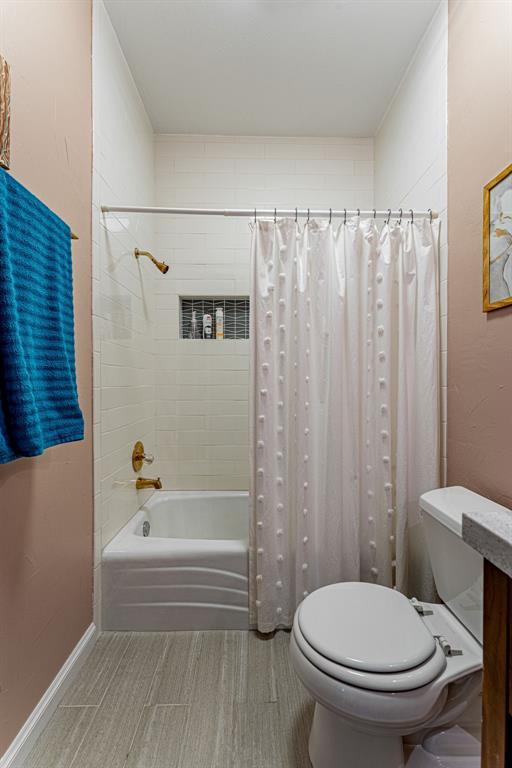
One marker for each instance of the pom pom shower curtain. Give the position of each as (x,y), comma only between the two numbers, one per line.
(344,405)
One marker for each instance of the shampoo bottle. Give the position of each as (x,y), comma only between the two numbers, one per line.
(219,323)
(207,326)
(193,326)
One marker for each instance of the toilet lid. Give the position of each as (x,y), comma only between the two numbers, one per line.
(365,627)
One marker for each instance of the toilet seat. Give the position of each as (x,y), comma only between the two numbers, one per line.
(362,646)
(374,681)
(365,626)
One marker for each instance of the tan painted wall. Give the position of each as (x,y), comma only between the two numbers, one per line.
(479,345)
(46,503)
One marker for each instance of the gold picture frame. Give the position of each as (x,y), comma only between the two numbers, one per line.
(5,114)
(497,242)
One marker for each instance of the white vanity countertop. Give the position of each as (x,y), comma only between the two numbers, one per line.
(488,529)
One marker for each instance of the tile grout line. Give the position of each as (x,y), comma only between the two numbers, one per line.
(93,719)
(159,666)
(243,684)
(78,706)
(274,693)
(155,706)
(222,705)
(116,667)
(145,703)
(85,732)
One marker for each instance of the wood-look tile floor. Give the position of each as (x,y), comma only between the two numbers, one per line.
(181,700)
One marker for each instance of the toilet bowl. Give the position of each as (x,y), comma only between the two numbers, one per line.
(380,666)
(378,671)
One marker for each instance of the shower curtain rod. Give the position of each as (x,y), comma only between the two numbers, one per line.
(272,212)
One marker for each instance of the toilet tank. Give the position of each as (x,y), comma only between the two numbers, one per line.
(457,568)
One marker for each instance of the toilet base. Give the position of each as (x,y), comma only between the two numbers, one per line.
(333,743)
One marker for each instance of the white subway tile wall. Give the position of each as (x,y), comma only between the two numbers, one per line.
(202,387)
(123,292)
(411,157)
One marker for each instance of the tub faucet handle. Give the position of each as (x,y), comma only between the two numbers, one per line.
(140,457)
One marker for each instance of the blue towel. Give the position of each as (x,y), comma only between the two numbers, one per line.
(38,393)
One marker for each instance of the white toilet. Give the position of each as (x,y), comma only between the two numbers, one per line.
(380,666)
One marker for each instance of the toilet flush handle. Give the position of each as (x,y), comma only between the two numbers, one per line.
(446,647)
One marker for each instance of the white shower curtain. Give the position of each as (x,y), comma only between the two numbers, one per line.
(344,404)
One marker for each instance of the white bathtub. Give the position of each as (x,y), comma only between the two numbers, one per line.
(190,572)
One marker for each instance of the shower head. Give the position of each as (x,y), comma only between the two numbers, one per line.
(162,266)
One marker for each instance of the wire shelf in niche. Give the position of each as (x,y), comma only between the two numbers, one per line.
(235,314)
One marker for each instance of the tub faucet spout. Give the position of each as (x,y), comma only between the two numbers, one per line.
(148,482)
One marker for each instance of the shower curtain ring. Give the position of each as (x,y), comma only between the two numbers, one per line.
(345,217)
(275,215)
(358,213)
(430,212)
(308,216)
(389,216)
(374,213)
(255,215)
(412,215)
(400,219)
(330,215)
(296,214)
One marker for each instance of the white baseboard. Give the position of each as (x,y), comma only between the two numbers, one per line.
(26,738)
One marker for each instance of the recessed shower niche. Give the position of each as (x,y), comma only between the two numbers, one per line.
(214,317)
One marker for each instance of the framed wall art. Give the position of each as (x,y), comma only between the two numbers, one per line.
(497,242)
(5,113)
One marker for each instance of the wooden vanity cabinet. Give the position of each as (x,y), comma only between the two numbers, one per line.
(497,679)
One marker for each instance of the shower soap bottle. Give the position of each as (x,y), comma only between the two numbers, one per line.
(219,323)
(193,326)
(207,326)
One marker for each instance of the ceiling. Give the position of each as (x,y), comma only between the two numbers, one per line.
(269,67)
